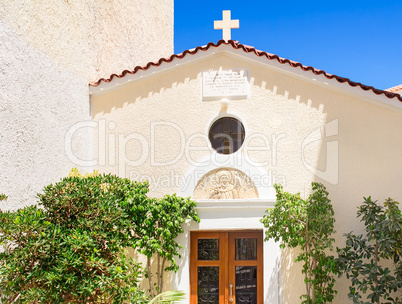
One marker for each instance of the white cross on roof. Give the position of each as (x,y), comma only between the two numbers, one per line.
(226,25)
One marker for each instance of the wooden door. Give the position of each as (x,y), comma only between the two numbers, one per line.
(226,267)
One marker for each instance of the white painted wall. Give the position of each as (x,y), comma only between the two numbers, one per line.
(156,128)
(49,52)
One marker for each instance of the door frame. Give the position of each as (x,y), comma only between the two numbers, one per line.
(226,256)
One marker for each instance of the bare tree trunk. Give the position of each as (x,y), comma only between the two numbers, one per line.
(159,274)
(159,290)
(151,287)
(162,272)
(308,271)
(313,266)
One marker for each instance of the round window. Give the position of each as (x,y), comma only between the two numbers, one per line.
(226,135)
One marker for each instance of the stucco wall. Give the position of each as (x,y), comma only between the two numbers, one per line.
(147,129)
(49,52)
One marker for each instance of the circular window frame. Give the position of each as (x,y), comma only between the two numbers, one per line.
(217,148)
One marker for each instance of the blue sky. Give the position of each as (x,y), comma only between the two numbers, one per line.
(360,40)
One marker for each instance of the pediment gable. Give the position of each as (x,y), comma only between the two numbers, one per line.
(248,54)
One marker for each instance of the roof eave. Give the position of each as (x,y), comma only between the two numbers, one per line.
(318,77)
(164,67)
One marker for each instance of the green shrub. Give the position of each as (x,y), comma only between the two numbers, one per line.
(70,248)
(158,231)
(307,224)
(363,257)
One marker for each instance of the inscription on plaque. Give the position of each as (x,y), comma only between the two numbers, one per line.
(225,183)
(225,84)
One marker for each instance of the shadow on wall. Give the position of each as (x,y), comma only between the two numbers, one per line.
(292,284)
(183,272)
(142,89)
(275,83)
(288,88)
(273,294)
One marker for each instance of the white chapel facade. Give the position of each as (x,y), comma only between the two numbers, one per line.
(222,123)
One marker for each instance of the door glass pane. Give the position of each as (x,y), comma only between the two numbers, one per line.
(208,285)
(246,284)
(208,249)
(246,249)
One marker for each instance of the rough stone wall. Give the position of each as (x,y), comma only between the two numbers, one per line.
(127,33)
(49,52)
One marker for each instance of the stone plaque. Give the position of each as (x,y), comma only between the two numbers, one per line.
(225,183)
(225,84)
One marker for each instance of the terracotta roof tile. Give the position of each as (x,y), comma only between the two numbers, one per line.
(249,49)
(395,89)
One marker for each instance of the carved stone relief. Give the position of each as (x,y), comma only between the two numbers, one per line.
(225,183)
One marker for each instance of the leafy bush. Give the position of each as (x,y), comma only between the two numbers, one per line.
(158,229)
(70,248)
(362,260)
(307,224)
